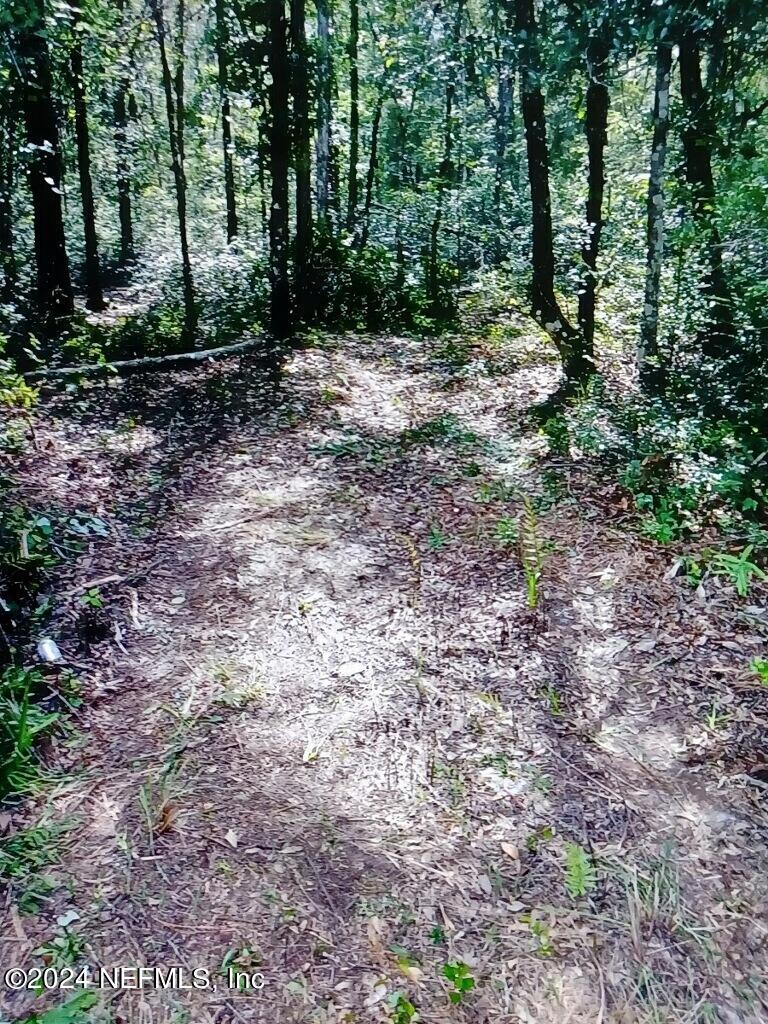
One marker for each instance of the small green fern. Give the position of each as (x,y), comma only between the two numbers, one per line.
(580,874)
(531,554)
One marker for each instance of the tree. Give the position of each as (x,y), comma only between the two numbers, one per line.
(546,308)
(95,296)
(447,170)
(122,103)
(302,160)
(279,158)
(648,351)
(7,184)
(175,136)
(54,295)
(323,144)
(697,136)
(596,129)
(354,112)
(222,58)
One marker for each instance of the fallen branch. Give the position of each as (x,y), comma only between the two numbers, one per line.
(126,366)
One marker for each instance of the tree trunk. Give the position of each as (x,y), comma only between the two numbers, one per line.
(697,138)
(95,296)
(373,163)
(596,130)
(262,154)
(222,56)
(7,149)
(279,154)
(323,144)
(190,305)
(124,209)
(54,296)
(505,80)
(546,308)
(122,149)
(354,113)
(302,161)
(648,350)
(445,174)
(178,78)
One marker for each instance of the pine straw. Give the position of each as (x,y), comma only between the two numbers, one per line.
(329,742)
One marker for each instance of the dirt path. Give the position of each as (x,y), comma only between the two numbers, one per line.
(329,742)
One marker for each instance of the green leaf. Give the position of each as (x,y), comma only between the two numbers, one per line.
(580,875)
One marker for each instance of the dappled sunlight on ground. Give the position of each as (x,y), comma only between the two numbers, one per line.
(336,741)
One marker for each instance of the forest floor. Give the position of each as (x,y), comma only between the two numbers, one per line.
(323,737)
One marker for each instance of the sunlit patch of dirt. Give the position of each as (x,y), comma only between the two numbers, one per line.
(334,742)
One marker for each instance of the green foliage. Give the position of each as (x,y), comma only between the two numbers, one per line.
(73,1011)
(759,667)
(443,429)
(531,553)
(437,539)
(92,598)
(580,874)
(401,1009)
(363,289)
(24,857)
(460,978)
(506,531)
(738,569)
(21,721)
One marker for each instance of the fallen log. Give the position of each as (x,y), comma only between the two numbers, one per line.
(123,367)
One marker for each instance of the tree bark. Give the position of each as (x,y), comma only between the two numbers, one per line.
(649,366)
(302,160)
(546,308)
(124,204)
(54,295)
(178,78)
(122,111)
(446,172)
(697,138)
(262,156)
(180,182)
(94,293)
(354,112)
(323,144)
(222,57)
(279,155)
(505,80)
(596,130)
(7,176)
(373,163)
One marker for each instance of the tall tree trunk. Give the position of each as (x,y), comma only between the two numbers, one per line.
(7,150)
(596,130)
(302,160)
(323,144)
(648,349)
(262,156)
(122,109)
(354,112)
(180,182)
(222,56)
(279,155)
(697,138)
(124,205)
(505,81)
(54,296)
(546,308)
(95,296)
(178,78)
(373,163)
(446,173)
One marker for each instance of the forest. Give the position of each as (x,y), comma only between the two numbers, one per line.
(383,524)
